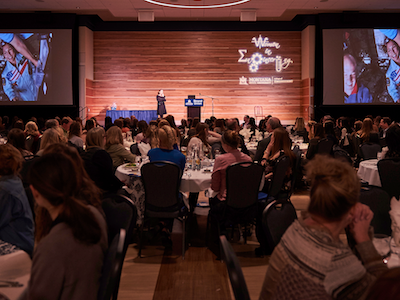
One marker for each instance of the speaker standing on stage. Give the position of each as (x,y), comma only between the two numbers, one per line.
(161,104)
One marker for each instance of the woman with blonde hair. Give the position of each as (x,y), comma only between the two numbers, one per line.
(300,129)
(32,137)
(165,150)
(115,147)
(311,253)
(50,136)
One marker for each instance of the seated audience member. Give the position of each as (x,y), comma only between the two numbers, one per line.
(119,123)
(32,135)
(318,133)
(65,124)
(71,235)
(74,135)
(233,124)
(98,163)
(279,146)
(126,125)
(311,254)
(89,125)
(50,136)
(329,128)
(230,142)
(115,147)
(166,151)
(108,123)
(16,222)
(51,123)
(300,130)
(367,133)
(219,126)
(393,141)
(142,127)
(384,125)
(171,121)
(271,125)
(16,137)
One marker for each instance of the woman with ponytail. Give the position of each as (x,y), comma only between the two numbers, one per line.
(71,233)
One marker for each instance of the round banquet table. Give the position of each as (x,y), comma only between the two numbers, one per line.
(15,272)
(192,181)
(368,171)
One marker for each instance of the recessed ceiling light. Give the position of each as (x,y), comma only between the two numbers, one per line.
(315,7)
(77,7)
(237,2)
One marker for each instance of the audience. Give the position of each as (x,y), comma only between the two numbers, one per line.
(311,255)
(98,163)
(16,221)
(71,236)
(115,147)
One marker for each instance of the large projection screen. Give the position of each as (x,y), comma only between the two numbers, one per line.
(361,66)
(36,67)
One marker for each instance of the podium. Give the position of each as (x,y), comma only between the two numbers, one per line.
(194,106)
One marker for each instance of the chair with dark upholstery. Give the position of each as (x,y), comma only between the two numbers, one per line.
(236,277)
(112,268)
(276,218)
(243,182)
(278,179)
(135,149)
(369,150)
(161,181)
(342,155)
(389,173)
(120,213)
(379,202)
(325,146)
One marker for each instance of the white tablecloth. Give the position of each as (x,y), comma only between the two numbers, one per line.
(368,171)
(15,268)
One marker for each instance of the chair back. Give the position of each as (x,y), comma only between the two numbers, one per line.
(120,213)
(161,181)
(112,267)
(389,173)
(243,181)
(279,174)
(369,150)
(236,277)
(379,202)
(276,218)
(325,146)
(342,155)
(297,172)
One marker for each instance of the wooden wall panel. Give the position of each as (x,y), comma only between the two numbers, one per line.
(130,68)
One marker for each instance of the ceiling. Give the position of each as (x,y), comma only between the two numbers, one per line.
(265,10)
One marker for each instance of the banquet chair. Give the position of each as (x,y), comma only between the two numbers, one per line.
(135,149)
(112,267)
(278,179)
(389,173)
(379,202)
(243,182)
(325,146)
(297,174)
(238,283)
(276,218)
(120,213)
(161,181)
(369,150)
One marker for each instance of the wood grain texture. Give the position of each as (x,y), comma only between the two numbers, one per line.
(130,67)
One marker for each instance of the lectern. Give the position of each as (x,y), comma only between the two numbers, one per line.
(193,106)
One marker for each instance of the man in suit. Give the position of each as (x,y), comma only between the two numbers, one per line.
(384,125)
(272,124)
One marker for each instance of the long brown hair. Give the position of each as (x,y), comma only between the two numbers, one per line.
(201,132)
(282,142)
(61,185)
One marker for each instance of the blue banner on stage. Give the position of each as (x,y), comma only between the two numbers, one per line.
(194,102)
